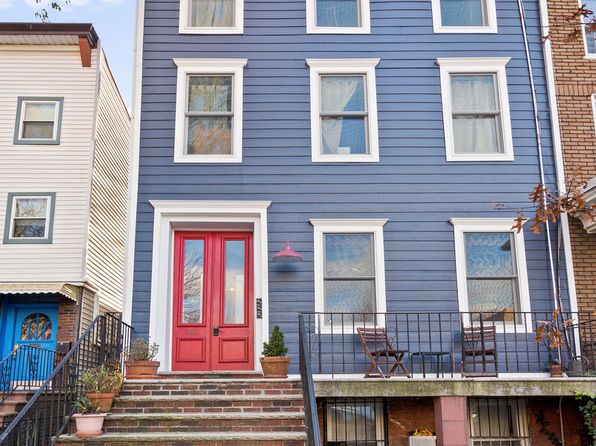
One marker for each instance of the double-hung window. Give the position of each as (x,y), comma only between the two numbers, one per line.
(589,29)
(464,16)
(349,271)
(343,110)
(211,16)
(491,270)
(355,421)
(498,422)
(209,110)
(29,218)
(476,113)
(38,120)
(338,16)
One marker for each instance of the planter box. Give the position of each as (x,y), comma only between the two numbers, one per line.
(422,441)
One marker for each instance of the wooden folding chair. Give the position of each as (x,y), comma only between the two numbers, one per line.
(479,350)
(378,345)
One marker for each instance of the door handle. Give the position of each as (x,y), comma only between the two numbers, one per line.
(216,330)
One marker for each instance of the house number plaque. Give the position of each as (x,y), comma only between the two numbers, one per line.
(259,308)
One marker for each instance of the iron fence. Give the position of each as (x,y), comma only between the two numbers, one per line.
(448,344)
(49,411)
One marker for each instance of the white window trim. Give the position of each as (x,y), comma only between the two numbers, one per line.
(187,67)
(311,21)
(348,226)
(47,217)
(185,28)
(24,104)
(365,67)
(496,65)
(462,226)
(587,55)
(594,110)
(490,28)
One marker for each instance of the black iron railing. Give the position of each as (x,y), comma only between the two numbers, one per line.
(447,344)
(313,431)
(26,368)
(48,412)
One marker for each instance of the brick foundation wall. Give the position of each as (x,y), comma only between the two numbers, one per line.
(68,321)
(575,77)
(575,432)
(405,415)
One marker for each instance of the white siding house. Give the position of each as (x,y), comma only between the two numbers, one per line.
(64,160)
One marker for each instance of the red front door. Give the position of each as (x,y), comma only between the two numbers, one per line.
(213,301)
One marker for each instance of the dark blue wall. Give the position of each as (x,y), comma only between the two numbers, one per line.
(413,186)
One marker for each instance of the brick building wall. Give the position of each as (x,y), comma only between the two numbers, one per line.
(68,321)
(575,77)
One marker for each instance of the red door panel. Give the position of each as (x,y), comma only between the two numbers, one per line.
(213,302)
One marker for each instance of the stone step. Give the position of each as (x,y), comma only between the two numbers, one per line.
(194,439)
(207,403)
(212,375)
(206,422)
(212,387)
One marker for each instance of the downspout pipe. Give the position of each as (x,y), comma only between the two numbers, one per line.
(551,262)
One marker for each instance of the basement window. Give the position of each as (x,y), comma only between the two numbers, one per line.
(359,421)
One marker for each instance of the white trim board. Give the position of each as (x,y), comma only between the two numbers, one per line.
(490,7)
(348,226)
(461,226)
(171,213)
(311,21)
(475,65)
(188,67)
(364,67)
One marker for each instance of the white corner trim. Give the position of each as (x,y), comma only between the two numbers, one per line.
(168,213)
(461,226)
(594,110)
(185,28)
(187,67)
(491,65)
(490,28)
(311,21)
(364,67)
(133,176)
(330,226)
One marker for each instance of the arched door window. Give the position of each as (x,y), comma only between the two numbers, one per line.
(36,327)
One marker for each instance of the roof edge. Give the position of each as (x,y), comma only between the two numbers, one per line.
(85,30)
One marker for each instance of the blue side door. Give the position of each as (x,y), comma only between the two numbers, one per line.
(34,329)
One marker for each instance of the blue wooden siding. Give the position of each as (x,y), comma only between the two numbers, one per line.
(413,186)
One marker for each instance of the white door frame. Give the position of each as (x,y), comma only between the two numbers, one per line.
(172,215)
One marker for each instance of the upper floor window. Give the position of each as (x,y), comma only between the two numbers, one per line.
(464,16)
(38,120)
(338,16)
(343,102)
(476,116)
(209,110)
(29,218)
(211,16)
(349,270)
(588,30)
(491,270)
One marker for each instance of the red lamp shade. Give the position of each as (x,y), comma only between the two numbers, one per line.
(287,255)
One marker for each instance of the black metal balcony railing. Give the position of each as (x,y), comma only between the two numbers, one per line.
(447,344)
(26,368)
(48,413)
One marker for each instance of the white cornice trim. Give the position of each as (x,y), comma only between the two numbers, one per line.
(194,206)
(348,222)
(482,221)
(473,61)
(343,63)
(204,64)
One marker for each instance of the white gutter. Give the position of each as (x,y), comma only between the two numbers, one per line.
(133,183)
(557,150)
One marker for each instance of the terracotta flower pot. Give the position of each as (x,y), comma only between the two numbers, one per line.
(141,369)
(89,425)
(556,370)
(102,400)
(275,367)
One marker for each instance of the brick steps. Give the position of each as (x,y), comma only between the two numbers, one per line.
(207,422)
(206,409)
(12,405)
(194,439)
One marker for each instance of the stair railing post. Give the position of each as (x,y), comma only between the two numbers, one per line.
(311,416)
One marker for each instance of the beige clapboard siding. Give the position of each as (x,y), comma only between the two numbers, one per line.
(63,169)
(108,213)
(87,309)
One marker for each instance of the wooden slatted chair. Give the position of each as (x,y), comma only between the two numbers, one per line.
(479,350)
(377,344)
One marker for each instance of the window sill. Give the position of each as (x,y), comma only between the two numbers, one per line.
(27,241)
(189,30)
(465,30)
(338,30)
(480,158)
(232,159)
(36,142)
(345,159)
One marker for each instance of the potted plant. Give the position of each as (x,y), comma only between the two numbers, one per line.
(101,385)
(88,418)
(422,437)
(549,334)
(140,362)
(274,361)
